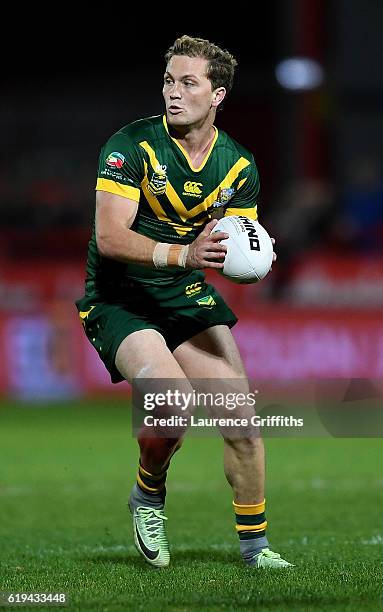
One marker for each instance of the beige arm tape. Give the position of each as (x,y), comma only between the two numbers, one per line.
(170,255)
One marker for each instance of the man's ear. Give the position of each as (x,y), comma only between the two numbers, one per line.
(218,96)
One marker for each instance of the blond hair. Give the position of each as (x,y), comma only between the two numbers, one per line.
(221,64)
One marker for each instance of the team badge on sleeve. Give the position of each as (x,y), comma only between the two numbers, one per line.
(115,160)
(224,195)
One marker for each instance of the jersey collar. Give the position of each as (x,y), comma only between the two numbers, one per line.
(185,153)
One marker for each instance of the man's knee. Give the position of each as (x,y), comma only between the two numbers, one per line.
(246,445)
(156,453)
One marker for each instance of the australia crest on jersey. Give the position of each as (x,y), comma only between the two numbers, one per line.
(218,207)
(157,184)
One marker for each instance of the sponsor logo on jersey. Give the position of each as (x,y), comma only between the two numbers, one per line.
(193,289)
(193,189)
(206,302)
(115,160)
(157,184)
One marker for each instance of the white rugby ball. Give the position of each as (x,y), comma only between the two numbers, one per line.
(249,249)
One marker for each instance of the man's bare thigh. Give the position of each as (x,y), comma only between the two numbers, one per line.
(144,354)
(211,354)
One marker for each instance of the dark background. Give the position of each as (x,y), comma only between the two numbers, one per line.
(78,80)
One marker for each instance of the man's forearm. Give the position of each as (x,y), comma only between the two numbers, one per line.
(127,246)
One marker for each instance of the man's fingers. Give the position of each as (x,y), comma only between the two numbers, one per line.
(213,264)
(216,246)
(212,255)
(217,236)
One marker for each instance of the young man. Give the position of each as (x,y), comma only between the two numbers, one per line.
(147,309)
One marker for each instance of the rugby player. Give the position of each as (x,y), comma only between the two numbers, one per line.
(147,309)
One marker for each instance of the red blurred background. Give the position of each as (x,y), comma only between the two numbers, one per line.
(318,145)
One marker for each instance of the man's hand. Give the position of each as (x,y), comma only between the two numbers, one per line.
(206,250)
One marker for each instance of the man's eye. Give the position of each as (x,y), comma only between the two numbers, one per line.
(188,83)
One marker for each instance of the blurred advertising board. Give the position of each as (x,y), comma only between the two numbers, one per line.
(45,355)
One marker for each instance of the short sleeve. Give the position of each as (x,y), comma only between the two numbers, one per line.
(245,200)
(120,168)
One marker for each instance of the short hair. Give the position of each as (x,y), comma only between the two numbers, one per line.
(221,64)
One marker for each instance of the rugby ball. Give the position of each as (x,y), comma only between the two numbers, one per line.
(249,249)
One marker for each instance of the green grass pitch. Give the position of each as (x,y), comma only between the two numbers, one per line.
(65,475)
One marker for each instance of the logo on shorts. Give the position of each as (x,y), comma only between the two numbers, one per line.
(206,302)
(83,314)
(157,184)
(115,160)
(193,289)
(192,188)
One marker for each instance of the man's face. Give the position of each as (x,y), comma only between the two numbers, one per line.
(188,92)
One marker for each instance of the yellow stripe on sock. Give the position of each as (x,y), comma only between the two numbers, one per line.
(247,509)
(153,476)
(259,527)
(145,472)
(146,488)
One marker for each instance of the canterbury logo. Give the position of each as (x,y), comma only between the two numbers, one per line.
(192,188)
(193,289)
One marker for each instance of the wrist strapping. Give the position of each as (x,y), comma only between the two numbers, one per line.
(170,255)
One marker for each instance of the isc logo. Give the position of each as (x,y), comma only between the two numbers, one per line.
(252,235)
(192,188)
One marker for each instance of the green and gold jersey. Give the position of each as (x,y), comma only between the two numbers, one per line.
(142,162)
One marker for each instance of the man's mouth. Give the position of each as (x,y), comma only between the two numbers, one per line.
(174,110)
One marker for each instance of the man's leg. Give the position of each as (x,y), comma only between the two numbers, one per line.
(214,354)
(144,356)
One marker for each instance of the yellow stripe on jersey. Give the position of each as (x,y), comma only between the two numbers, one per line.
(125,191)
(154,203)
(250,213)
(152,156)
(156,206)
(241,183)
(186,154)
(230,177)
(173,196)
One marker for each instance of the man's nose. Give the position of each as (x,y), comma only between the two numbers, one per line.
(175,91)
